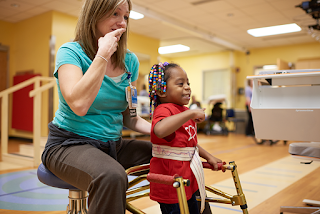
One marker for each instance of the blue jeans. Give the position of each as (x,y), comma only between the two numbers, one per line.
(174,208)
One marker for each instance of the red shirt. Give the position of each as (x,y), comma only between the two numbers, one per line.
(185,136)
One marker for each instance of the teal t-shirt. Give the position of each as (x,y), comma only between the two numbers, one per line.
(104,120)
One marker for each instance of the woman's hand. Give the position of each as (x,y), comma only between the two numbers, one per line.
(108,44)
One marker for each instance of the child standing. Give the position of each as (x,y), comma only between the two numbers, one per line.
(174,138)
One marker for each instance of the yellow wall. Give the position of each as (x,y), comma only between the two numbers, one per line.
(7,39)
(6,33)
(144,67)
(31,45)
(141,44)
(29,50)
(63,28)
(263,56)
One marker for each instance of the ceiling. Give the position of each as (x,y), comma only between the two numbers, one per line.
(203,25)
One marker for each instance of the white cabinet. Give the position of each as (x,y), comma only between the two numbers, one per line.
(288,106)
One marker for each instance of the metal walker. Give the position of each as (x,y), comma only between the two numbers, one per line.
(179,183)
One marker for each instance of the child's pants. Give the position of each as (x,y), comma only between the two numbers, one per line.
(174,208)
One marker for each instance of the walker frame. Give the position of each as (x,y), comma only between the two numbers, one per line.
(179,183)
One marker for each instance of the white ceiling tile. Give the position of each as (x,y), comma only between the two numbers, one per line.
(206,18)
(169,5)
(7,13)
(300,39)
(16,6)
(201,47)
(191,1)
(38,10)
(244,3)
(284,4)
(303,39)
(247,24)
(226,19)
(217,26)
(189,12)
(34,2)
(22,16)
(258,9)
(289,38)
(147,2)
(215,6)
(231,30)
(294,13)
(60,6)
(73,2)
(231,14)
(274,16)
(274,22)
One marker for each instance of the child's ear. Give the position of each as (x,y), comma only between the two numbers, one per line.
(161,94)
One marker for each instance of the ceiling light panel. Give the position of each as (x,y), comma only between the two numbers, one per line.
(135,15)
(173,49)
(274,30)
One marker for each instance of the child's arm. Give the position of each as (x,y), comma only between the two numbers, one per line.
(170,124)
(210,158)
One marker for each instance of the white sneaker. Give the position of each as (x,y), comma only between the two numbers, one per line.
(216,127)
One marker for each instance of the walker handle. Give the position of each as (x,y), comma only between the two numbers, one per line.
(209,166)
(161,179)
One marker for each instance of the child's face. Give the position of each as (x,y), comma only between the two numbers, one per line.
(178,87)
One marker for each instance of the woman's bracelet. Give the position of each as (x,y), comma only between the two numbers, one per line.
(102,57)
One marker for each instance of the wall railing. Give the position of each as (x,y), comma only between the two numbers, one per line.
(36,93)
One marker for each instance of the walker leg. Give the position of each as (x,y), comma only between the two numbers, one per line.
(183,203)
(240,196)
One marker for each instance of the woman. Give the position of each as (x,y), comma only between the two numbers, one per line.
(84,145)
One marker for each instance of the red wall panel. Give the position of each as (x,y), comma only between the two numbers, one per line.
(22,104)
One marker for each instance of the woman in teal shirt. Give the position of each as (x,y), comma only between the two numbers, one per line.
(84,145)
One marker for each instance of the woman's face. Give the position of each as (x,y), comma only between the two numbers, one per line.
(119,19)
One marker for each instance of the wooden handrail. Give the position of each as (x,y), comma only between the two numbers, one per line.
(24,84)
(43,87)
(36,93)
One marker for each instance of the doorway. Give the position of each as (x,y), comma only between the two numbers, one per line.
(4,70)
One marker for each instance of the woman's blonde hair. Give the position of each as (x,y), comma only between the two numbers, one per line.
(92,11)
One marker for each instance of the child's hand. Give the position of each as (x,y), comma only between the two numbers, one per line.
(199,115)
(214,162)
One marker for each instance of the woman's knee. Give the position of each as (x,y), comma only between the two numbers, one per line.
(114,177)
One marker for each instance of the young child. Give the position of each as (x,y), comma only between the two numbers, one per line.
(174,138)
